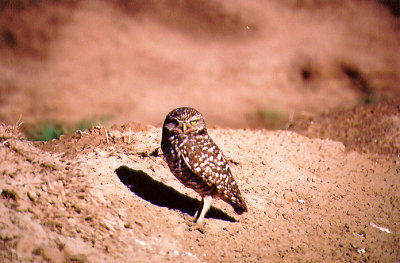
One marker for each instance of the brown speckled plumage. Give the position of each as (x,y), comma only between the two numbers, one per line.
(196,160)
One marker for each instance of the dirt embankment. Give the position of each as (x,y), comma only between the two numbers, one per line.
(117,61)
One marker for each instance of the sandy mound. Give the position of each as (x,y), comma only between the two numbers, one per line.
(369,128)
(107,195)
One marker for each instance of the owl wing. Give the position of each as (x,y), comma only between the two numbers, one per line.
(206,160)
(208,165)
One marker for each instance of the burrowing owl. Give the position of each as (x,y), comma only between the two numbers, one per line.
(197,162)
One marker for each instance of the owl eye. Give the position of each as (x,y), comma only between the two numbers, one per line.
(174,121)
(194,122)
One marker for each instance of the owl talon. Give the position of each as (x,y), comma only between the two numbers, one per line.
(199,226)
(187,217)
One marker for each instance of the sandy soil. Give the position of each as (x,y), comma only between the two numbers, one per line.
(324,189)
(107,195)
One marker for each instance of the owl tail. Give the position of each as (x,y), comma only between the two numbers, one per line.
(239,206)
(237,202)
(235,199)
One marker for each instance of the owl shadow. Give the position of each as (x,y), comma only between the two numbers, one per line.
(163,195)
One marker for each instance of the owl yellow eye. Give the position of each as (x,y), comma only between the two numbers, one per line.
(193,122)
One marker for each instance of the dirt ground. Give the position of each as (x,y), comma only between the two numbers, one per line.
(107,195)
(324,188)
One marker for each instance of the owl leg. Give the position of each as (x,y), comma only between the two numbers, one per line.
(204,206)
(197,214)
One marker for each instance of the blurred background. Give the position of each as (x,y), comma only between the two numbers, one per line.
(67,65)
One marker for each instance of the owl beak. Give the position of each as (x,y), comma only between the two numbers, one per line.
(183,126)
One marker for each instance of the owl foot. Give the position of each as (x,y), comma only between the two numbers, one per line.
(199,226)
(187,217)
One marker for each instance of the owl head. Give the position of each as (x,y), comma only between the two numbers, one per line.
(184,120)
